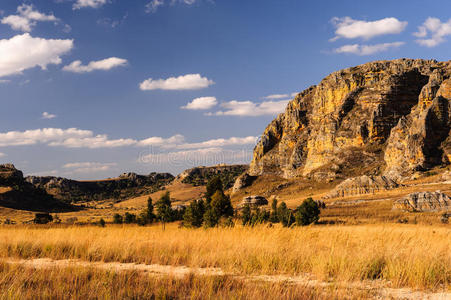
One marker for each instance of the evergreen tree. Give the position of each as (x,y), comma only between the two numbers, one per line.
(164,209)
(150,214)
(246,215)
(307,213)
(194,214)
(213,185)
(117,219)
(210,218)
(273,217)
(221,204)
(285,215)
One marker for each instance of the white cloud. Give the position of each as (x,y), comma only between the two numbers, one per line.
(70,138)
(48,116)
(185,82)
(27,18)
(88,167)
(16,55)
(437,31)
(252,109)
(280,96)
(349,28)
(105,64)
(77,138)
(201,103)
(2,154)
(5,81)
(153,5)
(198,157)
(170,142)
(88,3)
(233,141)
(367,49)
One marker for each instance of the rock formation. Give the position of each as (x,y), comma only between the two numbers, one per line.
(19,194)
(387,118)
(201,175)
(424,201)
(125,186)
(362,185)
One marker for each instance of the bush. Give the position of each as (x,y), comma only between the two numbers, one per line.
(285,215)
(307,213)
(194,214)
(42,218)
(246,215)
(117,219)
(129,218)
(102,223)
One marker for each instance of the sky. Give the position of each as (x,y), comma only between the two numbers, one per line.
(94,88)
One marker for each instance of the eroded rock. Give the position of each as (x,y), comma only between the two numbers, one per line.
(424,202)
(362,185)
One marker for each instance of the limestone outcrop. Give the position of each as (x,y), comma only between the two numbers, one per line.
(362,185)
(388,118)
(201,175)
(424,202)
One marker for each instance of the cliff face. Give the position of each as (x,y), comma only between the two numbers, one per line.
(381,118)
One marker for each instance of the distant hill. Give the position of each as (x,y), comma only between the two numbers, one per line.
(16,193)
(200,175)
(127,185)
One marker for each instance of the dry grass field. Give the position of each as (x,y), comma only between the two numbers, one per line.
(362,248)
(413,256)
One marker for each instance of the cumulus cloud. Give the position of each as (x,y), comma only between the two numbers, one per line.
(77,138)
(48,116)
(27,18)
(251,109)
(367,49)
(435,29)
(170,142)
(184,82)
(15,54)
(201,103)
(70,138)
(105,64)
(88,167)
(88,3)
(349,28)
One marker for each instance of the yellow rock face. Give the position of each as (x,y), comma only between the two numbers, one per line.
(344,122)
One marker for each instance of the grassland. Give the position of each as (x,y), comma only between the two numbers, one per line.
(412,256)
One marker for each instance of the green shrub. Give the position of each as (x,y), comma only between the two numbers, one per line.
(307,213)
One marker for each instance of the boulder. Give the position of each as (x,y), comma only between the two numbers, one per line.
(242,181)
(362,185)
(254,201)
(424,202)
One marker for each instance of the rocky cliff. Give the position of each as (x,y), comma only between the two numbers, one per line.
(388,118)
(125,186)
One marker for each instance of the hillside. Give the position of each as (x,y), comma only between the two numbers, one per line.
(16,193)
(200,175)
(125,186)
(384,118)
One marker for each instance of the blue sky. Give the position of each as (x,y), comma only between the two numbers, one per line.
(94,88)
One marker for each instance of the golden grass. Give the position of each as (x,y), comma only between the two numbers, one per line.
(180,192)
(406,255)
(83,283)
(5,189)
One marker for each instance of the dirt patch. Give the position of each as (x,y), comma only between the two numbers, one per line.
(380,288)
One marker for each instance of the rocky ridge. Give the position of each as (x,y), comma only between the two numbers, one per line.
(125,186)
(384,118)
